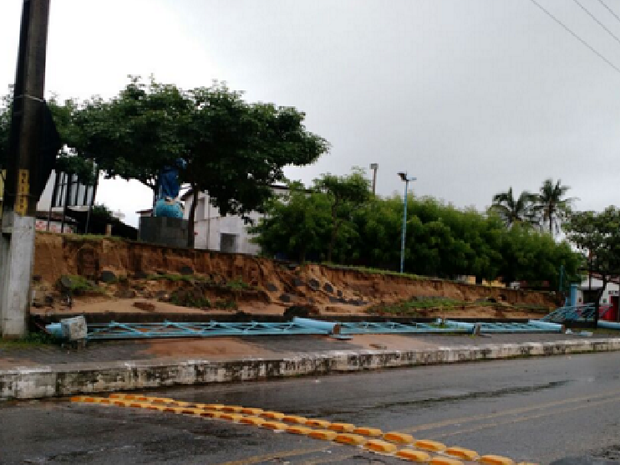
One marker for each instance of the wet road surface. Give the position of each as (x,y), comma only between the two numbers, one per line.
(538,410)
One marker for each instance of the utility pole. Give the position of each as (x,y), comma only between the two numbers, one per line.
(20,197)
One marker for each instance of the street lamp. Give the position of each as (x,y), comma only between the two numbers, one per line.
(374,167)
(403,177)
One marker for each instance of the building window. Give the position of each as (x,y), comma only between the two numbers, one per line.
(228,242)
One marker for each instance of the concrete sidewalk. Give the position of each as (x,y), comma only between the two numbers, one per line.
(47,371)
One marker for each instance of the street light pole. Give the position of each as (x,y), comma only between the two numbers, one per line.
(374,167)
(403,176)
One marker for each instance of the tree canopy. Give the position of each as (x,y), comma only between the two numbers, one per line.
(441,240)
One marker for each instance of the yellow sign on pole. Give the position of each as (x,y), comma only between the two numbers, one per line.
(23,192)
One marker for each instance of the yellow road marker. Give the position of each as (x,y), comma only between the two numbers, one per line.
(232,408)
(445,461)
(252,411)
(274,425)
(433,446)
(213,406)
(231,416)
(413,455)
(159,408)
(298,429)
(295,419)
(342,427)
(211,414)
(177,410)
(399,438)
(377,445)
(351,439)
(273,415)
(366,431)
(256,421)
(325,434)
(462,453)
(495,460)
(318,423)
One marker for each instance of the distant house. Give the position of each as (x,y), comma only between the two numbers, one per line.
(227,233)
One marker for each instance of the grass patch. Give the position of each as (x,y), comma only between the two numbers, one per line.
(32,340)
(226,304)
(78,285)
(416,307)
(238,285)
(172,277)
(374,271)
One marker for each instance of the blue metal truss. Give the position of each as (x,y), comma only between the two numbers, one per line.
(573,313)
(301,326)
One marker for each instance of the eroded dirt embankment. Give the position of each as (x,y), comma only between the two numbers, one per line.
(271,285)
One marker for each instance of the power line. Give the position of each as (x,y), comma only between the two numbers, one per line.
(597,21)
(612,12)
(592,49)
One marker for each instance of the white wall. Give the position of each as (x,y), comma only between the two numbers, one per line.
(210,225)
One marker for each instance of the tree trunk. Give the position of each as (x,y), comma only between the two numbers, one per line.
(191,218)
(332,242)
(599,294)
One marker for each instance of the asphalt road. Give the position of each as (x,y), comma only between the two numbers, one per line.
(538,410)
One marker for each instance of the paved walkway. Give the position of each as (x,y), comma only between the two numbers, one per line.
(231,348)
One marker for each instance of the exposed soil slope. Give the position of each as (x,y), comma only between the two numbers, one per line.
(149,278)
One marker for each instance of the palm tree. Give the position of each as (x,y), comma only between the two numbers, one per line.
(551,205)
(511,211)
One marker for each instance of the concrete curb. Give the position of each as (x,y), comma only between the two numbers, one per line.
(66,380)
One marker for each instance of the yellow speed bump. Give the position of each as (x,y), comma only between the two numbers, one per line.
(399,438)
(365,431)
(342,427)
(495,460)
(351,439)
(213,406)
(121,403)
(232,408)
(193,411)
(433,446)
(325,434)
(295,419)
(461,453)
(377,445)
(251,411)
(210,414)
(177,410)
(159,408)
(231,416)
(139,404)
(179,403)
(437,460)
(256,421)
(273,415)
(413,455)
(274,425)
(298,429)
(318,423)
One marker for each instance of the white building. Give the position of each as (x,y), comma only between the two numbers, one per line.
(227,233)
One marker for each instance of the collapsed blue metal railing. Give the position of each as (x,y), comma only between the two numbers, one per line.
(584,312)
(299,326)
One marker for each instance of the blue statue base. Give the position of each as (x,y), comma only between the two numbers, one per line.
(168,208)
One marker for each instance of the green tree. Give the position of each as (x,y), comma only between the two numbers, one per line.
(552,206)
(297,224)
(63,115)
(233,149)
(514,211)
(597,236)
(346,194)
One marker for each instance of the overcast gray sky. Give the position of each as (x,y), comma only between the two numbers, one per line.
(470,96)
